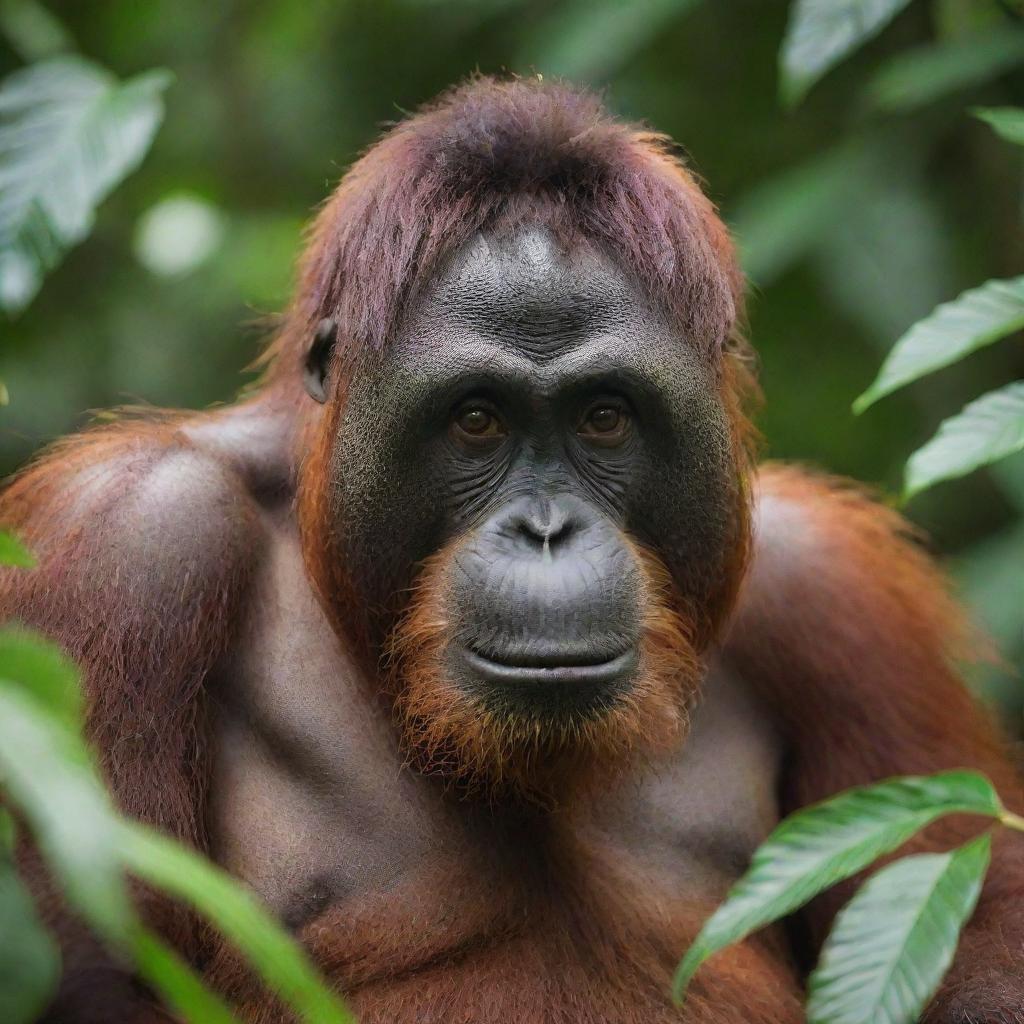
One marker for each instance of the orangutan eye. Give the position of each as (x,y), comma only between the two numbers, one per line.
(477,426)
(605,423)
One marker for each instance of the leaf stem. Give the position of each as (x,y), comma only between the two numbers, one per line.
(1011,820)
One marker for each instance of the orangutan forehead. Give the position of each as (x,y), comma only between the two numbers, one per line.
(535,288)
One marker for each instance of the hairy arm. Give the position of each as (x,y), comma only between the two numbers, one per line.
(144,544)
(848,632)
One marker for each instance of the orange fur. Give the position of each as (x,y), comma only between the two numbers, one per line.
(450,733)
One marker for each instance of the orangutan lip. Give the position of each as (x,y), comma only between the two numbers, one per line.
(601,673)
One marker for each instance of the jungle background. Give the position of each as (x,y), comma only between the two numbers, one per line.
(158,163)
(857,212)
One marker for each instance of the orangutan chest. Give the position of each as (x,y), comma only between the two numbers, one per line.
(381,870)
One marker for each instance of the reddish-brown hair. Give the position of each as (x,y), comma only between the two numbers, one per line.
(493,155)
(451,733)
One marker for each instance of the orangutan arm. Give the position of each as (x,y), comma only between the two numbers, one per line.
(848,632)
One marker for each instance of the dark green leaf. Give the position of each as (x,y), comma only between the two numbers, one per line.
(821,33)
(29,961)
(13,552)
(163,863)
(893,942)
(45,771)
(821,845)
(8,834)
(32,30)
(41,670)
(989,428)
(1007,122)
(928,73)
(69,132)
(177,983)
(955,329)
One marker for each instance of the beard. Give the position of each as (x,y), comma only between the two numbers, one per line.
(503,750)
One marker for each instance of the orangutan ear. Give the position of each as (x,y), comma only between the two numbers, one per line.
(318,359)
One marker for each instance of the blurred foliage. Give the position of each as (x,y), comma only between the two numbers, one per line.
(858,212)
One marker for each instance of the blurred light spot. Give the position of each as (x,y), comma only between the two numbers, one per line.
(178,234)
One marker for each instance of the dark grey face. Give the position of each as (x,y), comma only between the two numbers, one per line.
(533,414)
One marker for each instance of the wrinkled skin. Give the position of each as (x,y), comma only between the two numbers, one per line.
(536,339)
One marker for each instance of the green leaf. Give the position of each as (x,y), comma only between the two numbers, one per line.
(42,671)
(1007,122)
(179,985)
(8,834)
(823,844)
(69,132)
(33,30)
(13,552)
(29,960)
(163,863)
(891,945)
(46,772)
(953,330)
(928,73)
(988,429)
(821,33)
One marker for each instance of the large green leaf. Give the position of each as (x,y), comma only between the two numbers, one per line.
(1007,122)
(46,772)
(13,552)
(891,945)
(163,863)
(29,961)
(69,132)
(179,985)
(41,670)
(821,33)
(974,319)
(823,844)
(919,76)
(989,428)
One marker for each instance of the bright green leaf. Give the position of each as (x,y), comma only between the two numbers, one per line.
(177,983)
(29,961)
(163,863)
(41,669)
(928,73)
(13,552)
(45,771)
(69,132)
(1007,122)
(821,33)
(891,945)
(974,319)
(823,844)
(989,428)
